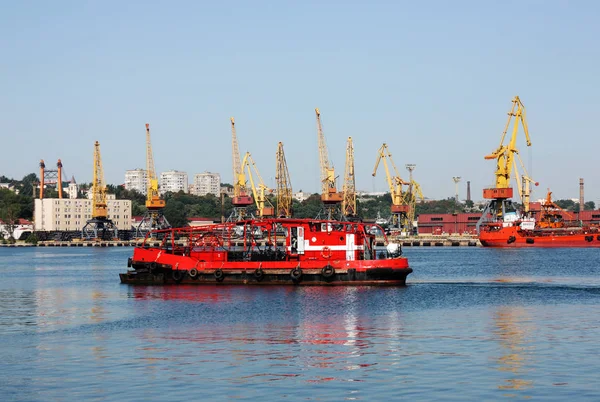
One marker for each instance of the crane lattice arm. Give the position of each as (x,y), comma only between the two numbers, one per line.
(99,206)
(239,186)
(153,200)
(284,185)
(394,181)
(259,194)
(349,188)
(329,192)
(505,154)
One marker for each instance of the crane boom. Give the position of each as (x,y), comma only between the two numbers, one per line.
(349,187)
(505,154)
(329,194)
(394,181)
(284,185)
(506,157)
(153,200)
(264,207)
(241,198)
(99,206)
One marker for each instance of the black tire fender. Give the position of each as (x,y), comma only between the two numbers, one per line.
(258,274)
(296,273)
(193,273)
(129,262)
(177,275)
(219,275)
(328,271)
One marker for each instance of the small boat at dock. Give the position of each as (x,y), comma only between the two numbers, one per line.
(267,252)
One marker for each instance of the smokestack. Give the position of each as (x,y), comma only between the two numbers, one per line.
(581,199)
(468,191)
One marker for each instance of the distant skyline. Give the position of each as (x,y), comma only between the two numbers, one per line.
(434,80)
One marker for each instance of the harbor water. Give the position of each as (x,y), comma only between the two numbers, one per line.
(472,324)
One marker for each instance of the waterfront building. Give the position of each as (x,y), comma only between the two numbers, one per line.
(72,214)
(173,181)
(137,179)
(207,183)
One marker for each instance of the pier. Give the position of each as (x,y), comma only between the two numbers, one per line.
(412,241)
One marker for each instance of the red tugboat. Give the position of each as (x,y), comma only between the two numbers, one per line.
(269,251)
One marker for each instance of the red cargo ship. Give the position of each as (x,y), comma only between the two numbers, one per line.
(269,251)
(515,236)
(550,230)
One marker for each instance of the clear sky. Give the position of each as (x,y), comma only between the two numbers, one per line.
(432,79)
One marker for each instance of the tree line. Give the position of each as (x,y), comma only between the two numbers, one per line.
(18,203)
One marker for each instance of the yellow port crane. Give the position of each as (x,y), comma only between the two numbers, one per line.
(99,226)
(506,156)
(411,196)
(330,197)
(154,217)
(400,209)
(241,199)
(284,185)
(264,207)
(349,188)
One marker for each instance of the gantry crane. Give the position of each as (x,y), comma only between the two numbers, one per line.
(264,207)
(99,226)
(506,157)
(330,197)
(400,209)
(349,210)
(241,198)
(154,217)
(284,185)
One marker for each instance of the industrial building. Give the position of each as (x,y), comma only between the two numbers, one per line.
(62,214)
(173,181)
(137,179)
(207,183)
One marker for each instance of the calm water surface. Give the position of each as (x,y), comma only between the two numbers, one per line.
(473,324)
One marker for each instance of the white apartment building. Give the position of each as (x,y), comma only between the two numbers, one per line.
(173,181)
(73,214)
(137,179)
(207,183)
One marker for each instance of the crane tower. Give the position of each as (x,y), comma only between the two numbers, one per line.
(400,208)
(99,226)
(506,156)
(264,207)
(349,210)
(284,185)
(330,197)
(153,218)
(241,199)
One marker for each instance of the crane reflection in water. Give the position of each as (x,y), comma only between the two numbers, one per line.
(513,329)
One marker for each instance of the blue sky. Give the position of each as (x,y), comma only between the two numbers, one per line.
(432,79)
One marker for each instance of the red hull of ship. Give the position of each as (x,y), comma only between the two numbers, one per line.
(513,237)
(268,252)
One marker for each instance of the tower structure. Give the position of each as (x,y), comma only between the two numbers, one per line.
(52,177)
(154,217)
(99,226)
(349,210)
(581,199)
(241,198)
(284,185)
(330,197)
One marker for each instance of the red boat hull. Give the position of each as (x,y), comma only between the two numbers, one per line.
(153,268)
(268,252)
(514,237)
